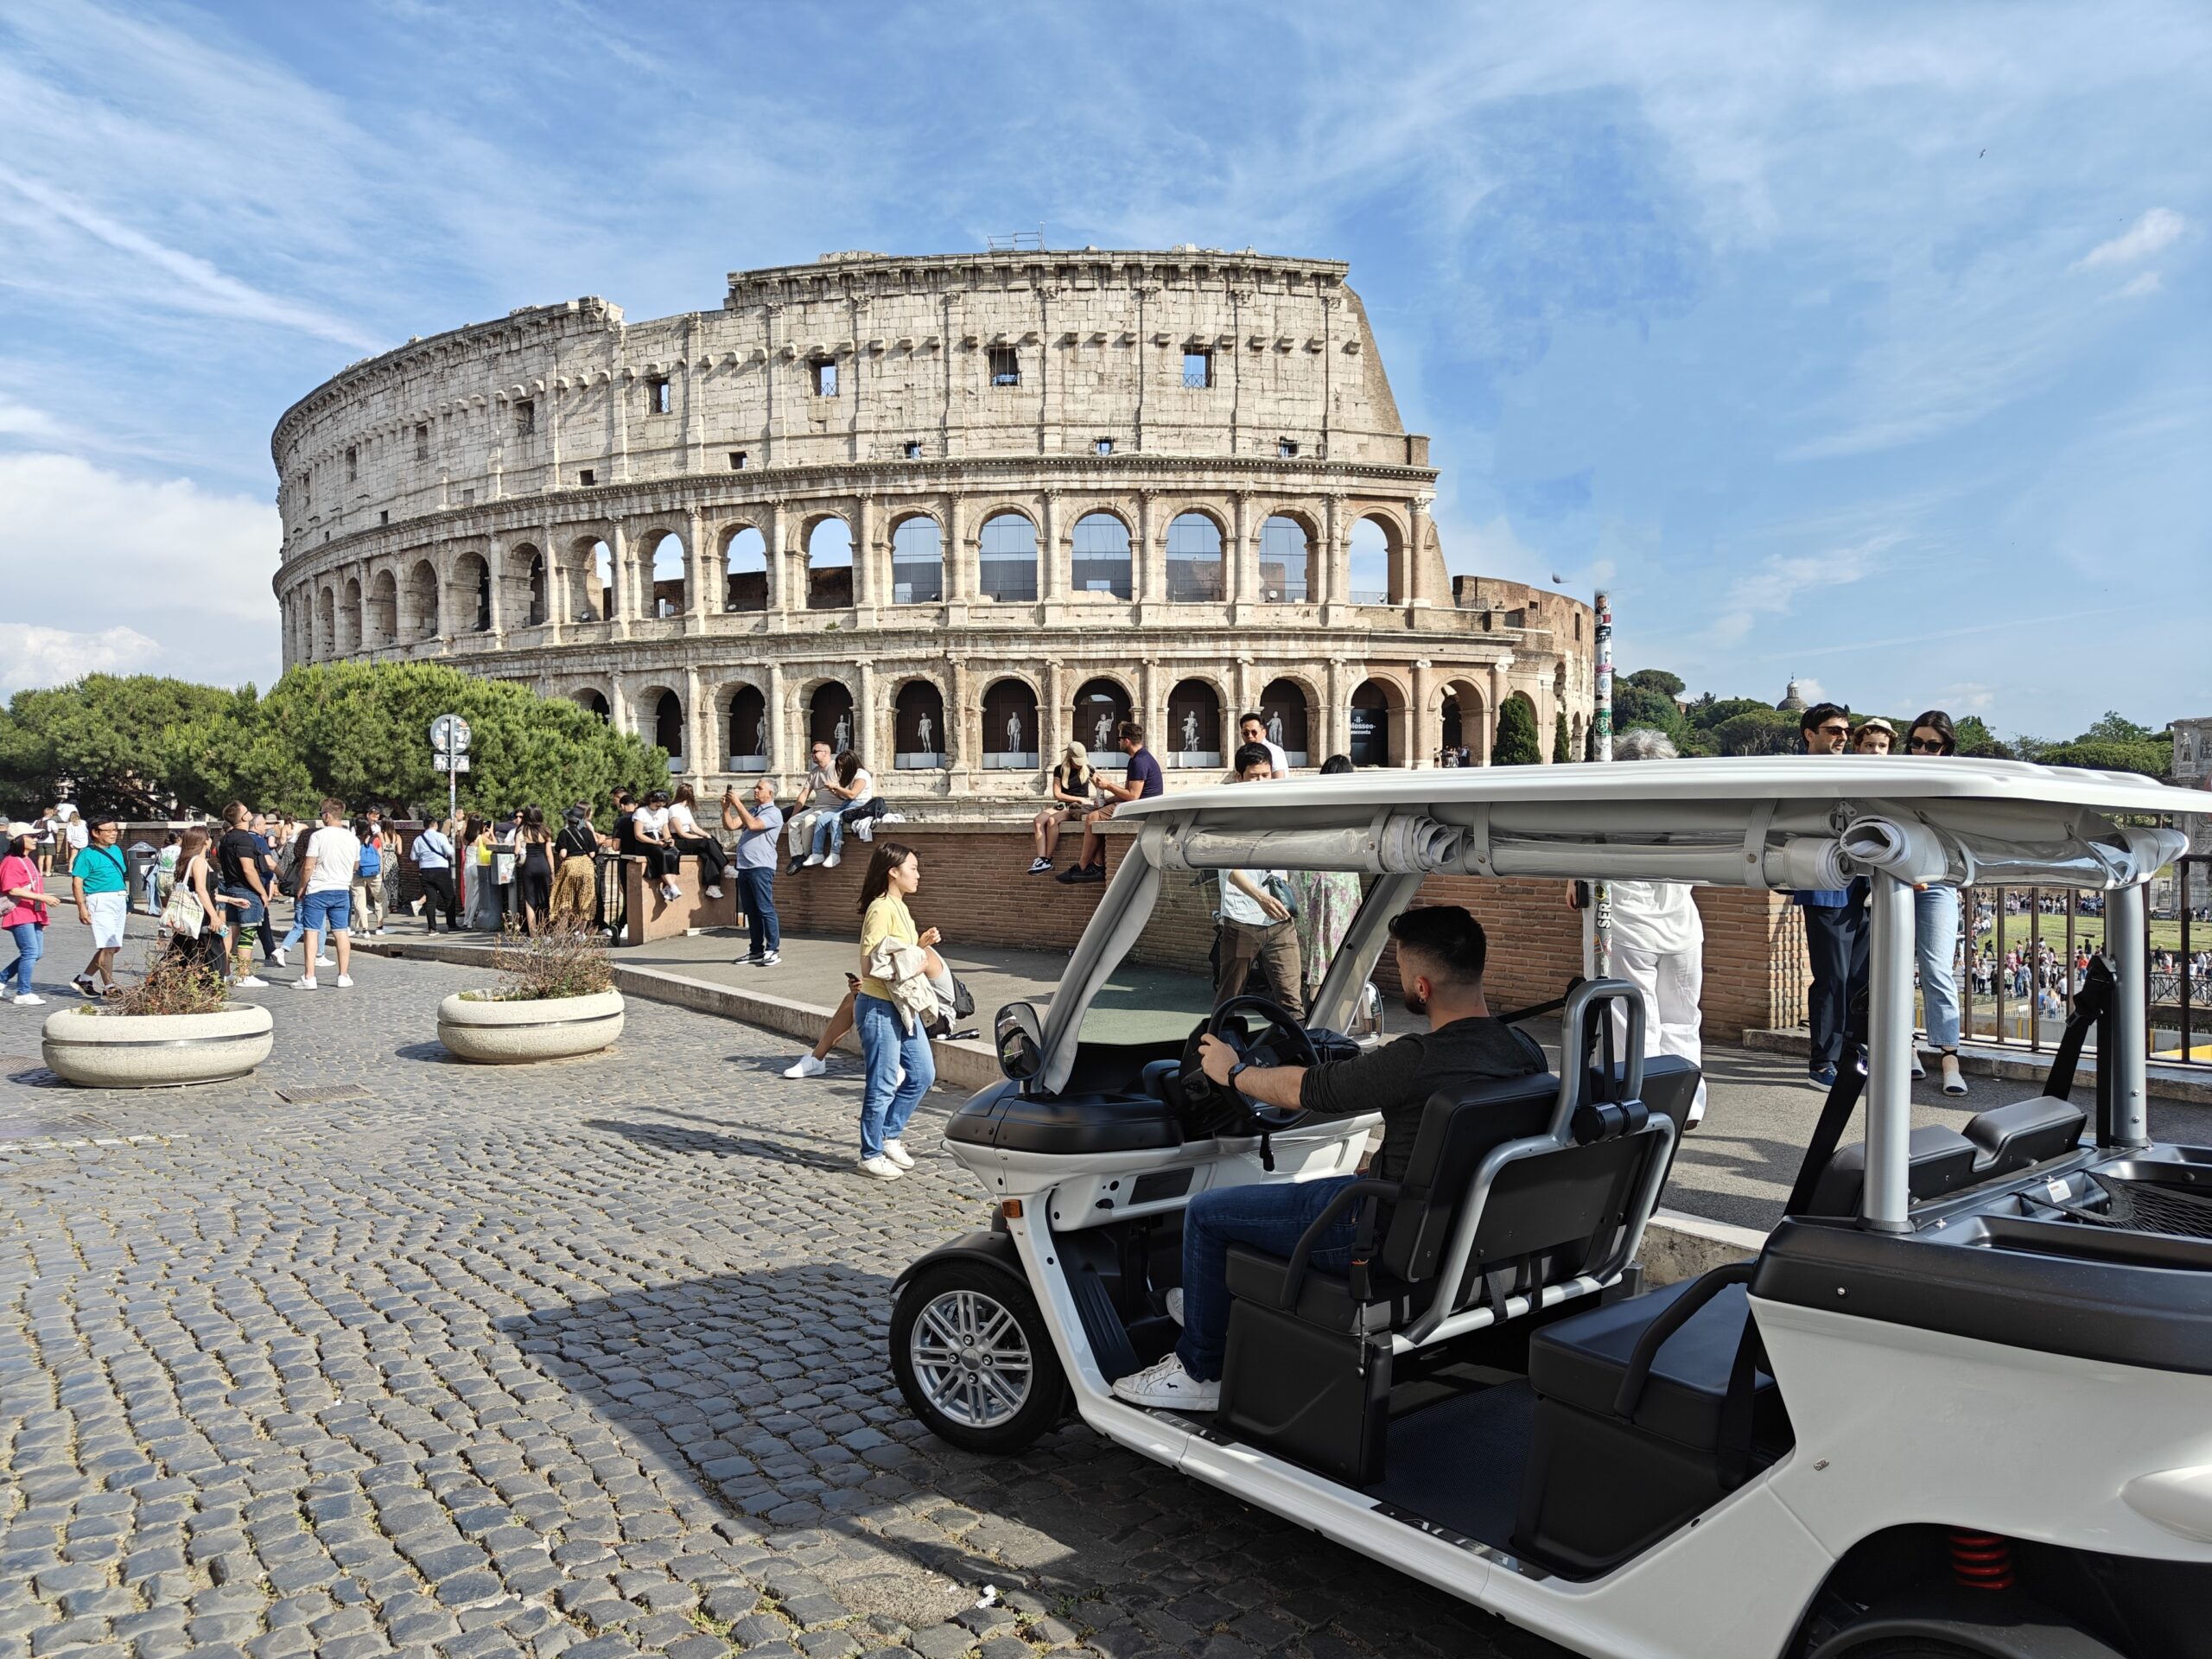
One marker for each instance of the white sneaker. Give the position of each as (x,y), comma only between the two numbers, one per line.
(306,984)
(712,893)
(810,861)
(882,1167)
(26,999)
(770,960)
(1039,865)
(833,861)
(1175,1304)
(1167,1386)
(277,956)
(250,983)
(345,982)
(324,962)
(806,1066)
(897,1153)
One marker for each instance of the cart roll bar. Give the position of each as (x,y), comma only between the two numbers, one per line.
(1886,1195)
(2128,942)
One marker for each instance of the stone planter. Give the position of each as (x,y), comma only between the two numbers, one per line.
(498,1033)
(96,1048)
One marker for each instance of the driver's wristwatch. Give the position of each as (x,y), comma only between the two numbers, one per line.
(1241,1065)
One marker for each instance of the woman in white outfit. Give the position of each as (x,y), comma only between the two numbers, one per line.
(1657,944)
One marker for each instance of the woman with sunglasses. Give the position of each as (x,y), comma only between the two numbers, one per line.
(1935,925)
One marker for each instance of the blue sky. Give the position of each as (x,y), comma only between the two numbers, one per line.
(1868,344)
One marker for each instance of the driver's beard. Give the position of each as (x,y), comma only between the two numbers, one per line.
(1416,1004)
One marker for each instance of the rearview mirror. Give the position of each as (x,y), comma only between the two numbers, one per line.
(1019,1036)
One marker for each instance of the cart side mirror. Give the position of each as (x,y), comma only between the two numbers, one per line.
(1019,1036)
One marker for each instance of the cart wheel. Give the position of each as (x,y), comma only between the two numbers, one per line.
(973,1357)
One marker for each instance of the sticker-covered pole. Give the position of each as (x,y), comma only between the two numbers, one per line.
(1598,927)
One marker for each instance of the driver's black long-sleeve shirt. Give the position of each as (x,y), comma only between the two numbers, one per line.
(1398,1078)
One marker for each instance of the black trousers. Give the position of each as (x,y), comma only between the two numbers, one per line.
(438,895)
(709,853)
(1836,941)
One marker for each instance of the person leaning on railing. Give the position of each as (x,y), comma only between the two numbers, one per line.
(1935,926)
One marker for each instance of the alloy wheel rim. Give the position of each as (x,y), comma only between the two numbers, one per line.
(971,1358)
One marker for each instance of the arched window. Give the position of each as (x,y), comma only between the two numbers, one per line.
(744,571)
(325,624)
(1462,732)
(599,596)
(1287,574)
(1101,562)
(829,565)
(526,575)
(668,583)
(918,719)
(471,592)
(1100,707)
(916,564)
(749,737)
(1373,563)
(1370,724)
(1282,707)
(1006,558)
(420,617)
(668,728)
(1010,729)
(1193,725)
(829,717)
(1194,572)
(594,701)
(383,609)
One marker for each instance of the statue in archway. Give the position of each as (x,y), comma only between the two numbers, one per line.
(1190,731)
(841,739)
(926,734)
(1102,738)
(760,735)
(1275,727)
(1013,734)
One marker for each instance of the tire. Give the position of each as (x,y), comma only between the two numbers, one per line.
(998,1398)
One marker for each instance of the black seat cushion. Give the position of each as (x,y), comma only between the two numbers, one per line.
(1580,1361)
(1938,1161)
(2026,1132)
(1325,1299)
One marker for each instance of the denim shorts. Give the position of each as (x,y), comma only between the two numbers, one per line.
(255,910)
(329,911)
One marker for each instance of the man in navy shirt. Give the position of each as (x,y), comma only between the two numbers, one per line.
(1835,925)
(1140,782)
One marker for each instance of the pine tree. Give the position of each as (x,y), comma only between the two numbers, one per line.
(1516,736)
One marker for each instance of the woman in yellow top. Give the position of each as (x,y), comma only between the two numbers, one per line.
(887,1046)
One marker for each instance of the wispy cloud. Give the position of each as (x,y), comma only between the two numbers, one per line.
(1776,586)
(2153,233)
(2138,285)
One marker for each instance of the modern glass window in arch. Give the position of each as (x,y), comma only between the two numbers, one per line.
(1100,706)
(749,737)
(917,563)
(918,715)
(1010,726)
(1283,711)
(1194,567)
(1193,726)
(1006,558)
(1286,562)
(744,571)
(1370,725)
(1100,560)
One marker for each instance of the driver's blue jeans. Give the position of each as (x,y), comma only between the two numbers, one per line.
(1272,1216)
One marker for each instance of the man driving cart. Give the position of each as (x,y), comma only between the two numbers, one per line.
(1441,954)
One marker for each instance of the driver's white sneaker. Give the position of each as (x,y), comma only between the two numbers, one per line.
(1175,1304)
(882,1167)
(1167,1386)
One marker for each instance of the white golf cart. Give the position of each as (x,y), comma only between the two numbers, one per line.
(1959,1404)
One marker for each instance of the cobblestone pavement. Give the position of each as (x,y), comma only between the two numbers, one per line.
(583,1359)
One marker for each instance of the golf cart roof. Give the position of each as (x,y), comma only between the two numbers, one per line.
(1795,821)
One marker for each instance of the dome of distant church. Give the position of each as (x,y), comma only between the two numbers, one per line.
(1793,701)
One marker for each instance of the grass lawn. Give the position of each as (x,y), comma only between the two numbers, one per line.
(2089,931)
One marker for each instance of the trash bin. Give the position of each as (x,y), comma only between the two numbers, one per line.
(143,855)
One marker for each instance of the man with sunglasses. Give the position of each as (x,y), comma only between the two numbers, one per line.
(1835,924)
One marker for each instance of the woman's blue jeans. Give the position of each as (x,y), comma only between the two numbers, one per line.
(1270,1216)
(829,836)
(31,946)
(1936,947)
(886,1102)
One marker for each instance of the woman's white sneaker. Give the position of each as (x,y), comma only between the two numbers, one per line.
(1167,1386)
(26,999)
(882,1167)
(833,861)
(812,860)
(897,1154)
(806,1066)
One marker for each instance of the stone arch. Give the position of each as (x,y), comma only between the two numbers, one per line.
(1463,719)
(828,541)
(916,559)
(418,602)
(468,600)
(920,739)
(325,624)
(592,573)
(383,609)
(1290,567)
(1012,736)
(1378,722)
(349,617)
(1197,716)
(1103,698)
(1377,568)
(1006,557)
(1195,570)
(831,716)
(528,585)
(1101,560)
(593,698)
(745,568)
(748,727)
(663,563)
(660,719)
(1292,713)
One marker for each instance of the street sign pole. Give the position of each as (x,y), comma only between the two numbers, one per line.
(1598,927)
(449,745)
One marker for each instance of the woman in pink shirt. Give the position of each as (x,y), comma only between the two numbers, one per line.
(22,910)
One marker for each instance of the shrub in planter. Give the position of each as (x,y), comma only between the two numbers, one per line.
(173,1026)
(558,1000)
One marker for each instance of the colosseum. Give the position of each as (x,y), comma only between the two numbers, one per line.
(952,512)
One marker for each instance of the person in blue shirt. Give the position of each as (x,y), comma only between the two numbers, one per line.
(1140,782)
(1835,924)
(434,860)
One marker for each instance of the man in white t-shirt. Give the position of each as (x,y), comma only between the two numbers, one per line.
(327,893)
(814,799)
(1256,923)
(1250,728)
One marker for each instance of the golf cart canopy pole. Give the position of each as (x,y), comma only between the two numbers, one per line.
(1889,1058)
(2127,944)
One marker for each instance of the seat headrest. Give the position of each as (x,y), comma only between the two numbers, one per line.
(2026,1132)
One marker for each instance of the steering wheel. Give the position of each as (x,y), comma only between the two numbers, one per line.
(1284,1037)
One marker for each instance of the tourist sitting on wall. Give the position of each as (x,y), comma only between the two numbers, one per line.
(814,800)
(684,831)
(1140,782)
(1074,784)
(648,824)
(856,786)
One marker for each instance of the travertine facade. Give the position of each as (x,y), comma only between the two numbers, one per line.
(957,509)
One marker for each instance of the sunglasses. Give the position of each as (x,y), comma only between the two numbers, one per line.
(1925,745)
(1837,730)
